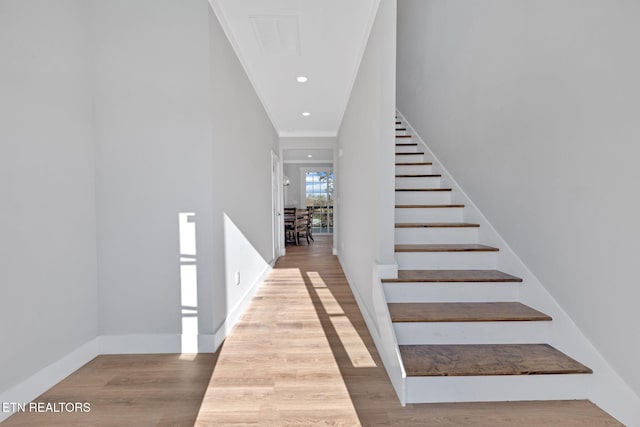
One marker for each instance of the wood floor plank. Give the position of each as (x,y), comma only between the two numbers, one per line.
(487,359)
(465,312)
(455,276)
(450,206)
(442,247)
(300,355)
(436,225)
(565,413)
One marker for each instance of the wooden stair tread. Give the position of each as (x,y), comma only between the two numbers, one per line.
(442,247)
(427,206)
(403,136)
(464,312)
(487,359)
(531,413)
(436,225)
(454,276)
(423,189)
(429,175)
(400,128)
(415,164)
(398,123)
(408,154)
(407,144)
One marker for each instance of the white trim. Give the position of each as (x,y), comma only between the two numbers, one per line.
(385,340)
(236,312)
(306,134)
(286,144)
(387,271)
(140,344)
(277,204)
(207,343)
(308,162)
(44,379)
(368,317)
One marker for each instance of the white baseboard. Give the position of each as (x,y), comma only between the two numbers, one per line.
(236,312)
(44,379)
(152,344)
(369,319)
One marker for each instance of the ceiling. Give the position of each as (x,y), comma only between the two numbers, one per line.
(307,155)
(279,40)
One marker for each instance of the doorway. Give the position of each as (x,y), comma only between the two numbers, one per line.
(318,194)
(276,207)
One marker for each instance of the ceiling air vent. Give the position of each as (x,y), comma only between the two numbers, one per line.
(277,34)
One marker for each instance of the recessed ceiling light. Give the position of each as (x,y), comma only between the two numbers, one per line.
(306,114)
(309,155)
(302,79)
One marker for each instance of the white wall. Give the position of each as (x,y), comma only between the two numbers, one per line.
(154,158)
(243,138)
(153,92)
(48,286)
(177,121)
(533,106)
(365,169)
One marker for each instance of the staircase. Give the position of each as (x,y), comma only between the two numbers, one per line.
(463,335)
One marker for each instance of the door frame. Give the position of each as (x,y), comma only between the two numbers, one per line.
(277,228)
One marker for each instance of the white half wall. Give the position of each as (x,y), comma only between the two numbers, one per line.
(533,107)
(48,302)
(365,164)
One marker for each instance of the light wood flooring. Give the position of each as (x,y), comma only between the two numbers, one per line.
(301,355)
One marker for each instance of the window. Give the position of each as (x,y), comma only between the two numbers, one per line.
(319,195)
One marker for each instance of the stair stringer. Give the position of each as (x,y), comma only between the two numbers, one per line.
(605,388)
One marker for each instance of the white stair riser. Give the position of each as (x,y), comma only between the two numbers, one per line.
(406,148)
(414,169)
(436,235)
(423,197)
(413,158)
(407,139)
(425,182)
(400,132)
(452,292)
(429,214)
(498,388)
(416,333)
(446,260)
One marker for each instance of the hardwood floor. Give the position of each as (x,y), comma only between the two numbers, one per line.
(301,355)
(129,390)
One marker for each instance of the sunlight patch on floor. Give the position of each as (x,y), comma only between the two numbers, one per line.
(316,279)
(352,342)
(329,303)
